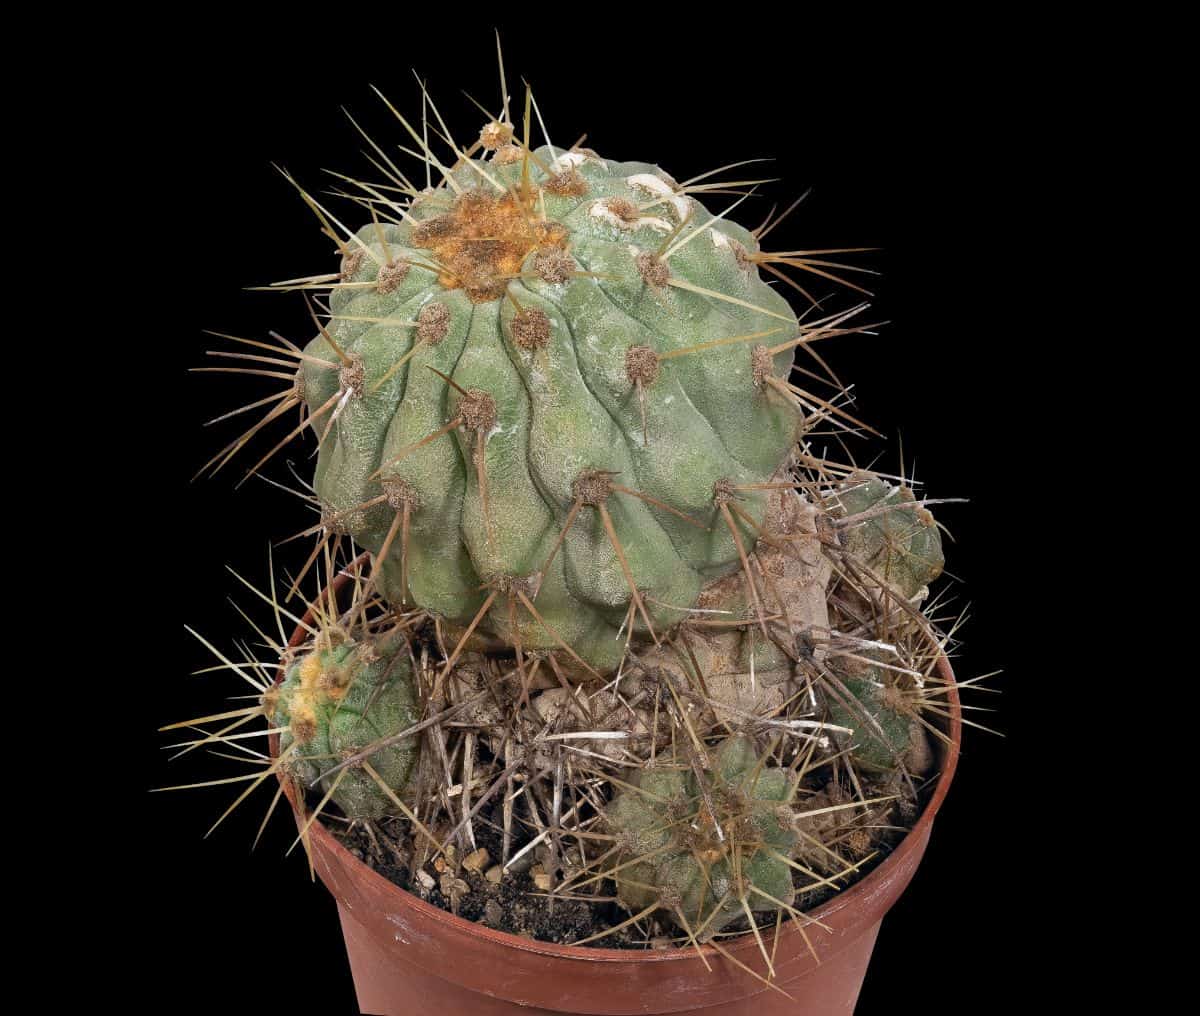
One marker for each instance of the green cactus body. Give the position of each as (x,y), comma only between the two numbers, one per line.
(334,703)
(901,546)
(880,705)
(554,317)
(698,877)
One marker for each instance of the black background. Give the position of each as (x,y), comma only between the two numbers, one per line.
(919,149)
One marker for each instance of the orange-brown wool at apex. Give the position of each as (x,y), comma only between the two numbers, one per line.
(481,243)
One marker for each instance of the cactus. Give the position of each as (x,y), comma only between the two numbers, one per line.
(901,547)
(552,400)
(337,700)
(706,846)
(879,703)
(543,384)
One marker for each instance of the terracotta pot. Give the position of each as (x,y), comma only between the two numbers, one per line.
(409,957)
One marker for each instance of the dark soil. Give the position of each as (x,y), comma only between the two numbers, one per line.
(517,906)
(514,905)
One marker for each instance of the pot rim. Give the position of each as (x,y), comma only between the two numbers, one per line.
(876,879)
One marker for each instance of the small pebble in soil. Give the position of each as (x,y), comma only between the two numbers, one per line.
(477,860)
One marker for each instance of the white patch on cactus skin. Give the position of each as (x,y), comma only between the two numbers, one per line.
(719,239)
(600,210)
(660,189)
(573,160)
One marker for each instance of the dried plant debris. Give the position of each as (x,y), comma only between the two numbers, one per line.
(628,658)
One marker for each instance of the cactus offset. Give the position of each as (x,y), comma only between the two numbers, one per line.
(338,699)
(899,546)
(880,703)
(706,846)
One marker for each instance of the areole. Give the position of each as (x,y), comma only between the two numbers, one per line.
(409,957)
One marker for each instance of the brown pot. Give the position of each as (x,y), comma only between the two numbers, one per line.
(409,957)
